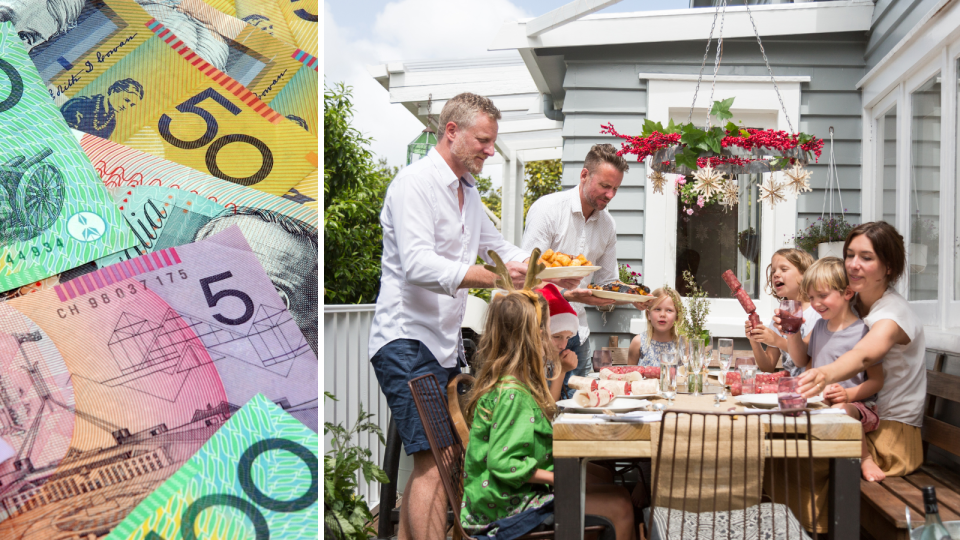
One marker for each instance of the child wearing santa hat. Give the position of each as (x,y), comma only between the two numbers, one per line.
(564,324)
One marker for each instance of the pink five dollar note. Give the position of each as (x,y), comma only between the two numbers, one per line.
(160,351)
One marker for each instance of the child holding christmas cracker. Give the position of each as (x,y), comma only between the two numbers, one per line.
(784,275)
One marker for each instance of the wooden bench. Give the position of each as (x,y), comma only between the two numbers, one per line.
(882,508)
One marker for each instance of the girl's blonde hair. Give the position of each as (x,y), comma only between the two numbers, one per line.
(800,259)
(660,296)
(514,343)
(827,272)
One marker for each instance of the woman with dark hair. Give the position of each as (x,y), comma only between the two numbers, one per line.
(874,260)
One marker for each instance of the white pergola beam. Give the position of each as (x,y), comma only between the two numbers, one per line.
(565,14)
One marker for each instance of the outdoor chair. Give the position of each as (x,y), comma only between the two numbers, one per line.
(709,480)
(457,390)
(449,450)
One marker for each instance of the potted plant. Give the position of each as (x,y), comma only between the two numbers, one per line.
(824,237)
(924,233)
(627,275)
(748,242)
(345,513)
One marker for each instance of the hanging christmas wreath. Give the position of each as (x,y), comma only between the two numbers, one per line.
(707,155)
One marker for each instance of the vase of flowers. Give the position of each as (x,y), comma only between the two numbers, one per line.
(695,336)
(832,231)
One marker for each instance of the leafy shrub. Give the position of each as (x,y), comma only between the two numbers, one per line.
(354,185)
(823,230)
(345,513)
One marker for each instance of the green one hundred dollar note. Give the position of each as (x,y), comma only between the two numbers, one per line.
(54,212)
(257,477)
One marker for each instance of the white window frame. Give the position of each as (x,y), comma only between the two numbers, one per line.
(932,46)
(754,95)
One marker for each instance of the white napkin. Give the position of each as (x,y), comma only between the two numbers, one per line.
(638,417)
(574,418)
(827,411)
(6,451)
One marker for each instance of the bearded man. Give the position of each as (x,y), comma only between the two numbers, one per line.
(434,227)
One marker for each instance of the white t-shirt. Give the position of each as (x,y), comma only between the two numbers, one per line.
(810,318)
(904,369)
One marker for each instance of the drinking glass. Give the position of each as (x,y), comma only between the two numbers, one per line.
(745,361)
(788,396)
(748,378)
(695,368)
(726,354)
(668,376)
(791,316)
(602,359)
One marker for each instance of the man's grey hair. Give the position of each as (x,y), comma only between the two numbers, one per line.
(463,109)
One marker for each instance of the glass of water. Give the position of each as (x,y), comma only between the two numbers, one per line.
(668,376)
(726,355)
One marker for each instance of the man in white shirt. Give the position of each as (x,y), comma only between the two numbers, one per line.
(577,221)
(434,227)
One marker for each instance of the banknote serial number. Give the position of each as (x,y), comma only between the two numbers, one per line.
(104,298)
(36,251)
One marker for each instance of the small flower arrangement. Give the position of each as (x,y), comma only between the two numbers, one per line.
(823,230)
(691,199)
(698,308)
(628,276)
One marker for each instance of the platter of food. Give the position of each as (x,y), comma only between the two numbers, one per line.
(621,292)
(616,405)
(562,272)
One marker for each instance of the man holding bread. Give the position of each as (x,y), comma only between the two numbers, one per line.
(576,222)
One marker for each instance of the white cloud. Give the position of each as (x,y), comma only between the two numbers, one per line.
(406,30)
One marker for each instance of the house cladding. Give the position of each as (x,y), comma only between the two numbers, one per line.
(892,20)
(602,84)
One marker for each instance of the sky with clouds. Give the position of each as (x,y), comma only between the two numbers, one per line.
(357,33)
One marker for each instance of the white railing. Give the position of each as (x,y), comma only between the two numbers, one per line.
(348,375)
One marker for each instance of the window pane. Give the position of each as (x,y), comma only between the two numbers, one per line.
(888,126)
(715,238)
(923,249)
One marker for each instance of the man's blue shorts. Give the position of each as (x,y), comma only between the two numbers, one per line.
(395,365)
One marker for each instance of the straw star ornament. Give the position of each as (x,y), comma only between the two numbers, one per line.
(657,180)
(709,181)
(731,194)
(798,179)
(772,191)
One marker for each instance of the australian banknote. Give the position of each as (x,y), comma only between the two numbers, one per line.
(114,379)
(258,476)
(54,213)
(292,21)
(119,73)
(282,231)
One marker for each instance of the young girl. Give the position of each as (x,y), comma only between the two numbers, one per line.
(784,275)
(838,331)
(661,336)
(564,324)
(508,468)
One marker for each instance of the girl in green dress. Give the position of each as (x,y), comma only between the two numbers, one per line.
(508,468)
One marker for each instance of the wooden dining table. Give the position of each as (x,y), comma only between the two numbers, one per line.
(835,437)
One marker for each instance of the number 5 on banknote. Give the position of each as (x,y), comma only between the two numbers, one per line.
(192,106)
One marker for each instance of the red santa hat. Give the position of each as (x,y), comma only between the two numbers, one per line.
(562,316)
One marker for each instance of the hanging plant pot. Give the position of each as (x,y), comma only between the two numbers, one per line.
(917,256)
(749,244)
(830,249)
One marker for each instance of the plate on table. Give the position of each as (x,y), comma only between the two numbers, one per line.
(617,404)
(619,296)
(641,396)
(768,401)
(562,272)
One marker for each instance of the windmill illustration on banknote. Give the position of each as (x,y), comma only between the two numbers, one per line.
(31,196)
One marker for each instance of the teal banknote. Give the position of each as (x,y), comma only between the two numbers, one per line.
(257,477)
(161,218)
(54,211)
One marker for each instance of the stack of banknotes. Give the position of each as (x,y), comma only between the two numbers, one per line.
(158,269)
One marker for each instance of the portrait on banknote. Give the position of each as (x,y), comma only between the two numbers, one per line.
(97,114)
